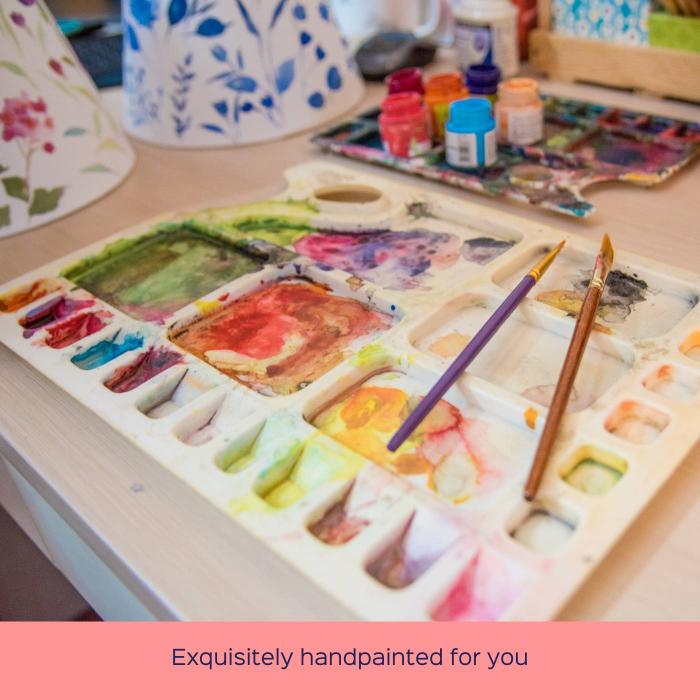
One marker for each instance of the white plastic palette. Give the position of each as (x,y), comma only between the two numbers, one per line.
(440,529)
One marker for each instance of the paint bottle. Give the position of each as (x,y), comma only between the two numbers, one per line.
(404,125)
(482,81)
(405,80)
(440,91)
(486,32)
(519,113)
(470,134)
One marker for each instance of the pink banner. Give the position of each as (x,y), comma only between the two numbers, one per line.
(338,660)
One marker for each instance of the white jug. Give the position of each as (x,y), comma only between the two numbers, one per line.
(358,19)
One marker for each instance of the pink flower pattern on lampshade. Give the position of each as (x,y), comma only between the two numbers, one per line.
(61,147)
(28,120)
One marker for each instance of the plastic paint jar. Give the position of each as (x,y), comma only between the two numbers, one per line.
(519,114)
(470,134)
(440,91)
(486,32)
(405,80)
(404,125)
(482,81)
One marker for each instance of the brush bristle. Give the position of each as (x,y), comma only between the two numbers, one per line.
(607,252)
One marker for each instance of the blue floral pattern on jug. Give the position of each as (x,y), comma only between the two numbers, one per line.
(216,72)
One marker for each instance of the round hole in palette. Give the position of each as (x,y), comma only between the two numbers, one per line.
(266,352)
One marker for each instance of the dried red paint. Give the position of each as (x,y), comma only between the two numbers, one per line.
(284,335)
(50,312)
(75,328)
(146,366)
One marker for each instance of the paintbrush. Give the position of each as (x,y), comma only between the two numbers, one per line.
(565,383)
(473,348)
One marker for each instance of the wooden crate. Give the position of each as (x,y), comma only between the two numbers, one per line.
(660,71)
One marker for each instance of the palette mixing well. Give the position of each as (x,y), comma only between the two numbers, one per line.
(265,354)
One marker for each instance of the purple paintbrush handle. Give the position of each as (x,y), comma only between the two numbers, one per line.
(462,361)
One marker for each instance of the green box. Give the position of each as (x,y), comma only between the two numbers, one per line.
(674,32)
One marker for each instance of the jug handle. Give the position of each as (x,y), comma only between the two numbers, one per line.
(438,17)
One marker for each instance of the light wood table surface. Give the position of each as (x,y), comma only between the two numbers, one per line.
(181,557)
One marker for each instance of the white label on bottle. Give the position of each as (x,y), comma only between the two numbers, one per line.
(473,44)
(490,147)
(524,126)
(461,150)
(492,42)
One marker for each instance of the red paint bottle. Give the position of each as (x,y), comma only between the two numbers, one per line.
(404,125)
(405,80)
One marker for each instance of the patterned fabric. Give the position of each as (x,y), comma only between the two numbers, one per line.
(619,21)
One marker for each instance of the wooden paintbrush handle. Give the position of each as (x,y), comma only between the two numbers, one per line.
(577,346)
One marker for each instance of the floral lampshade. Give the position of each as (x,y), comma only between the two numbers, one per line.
(223,72)
(60,148)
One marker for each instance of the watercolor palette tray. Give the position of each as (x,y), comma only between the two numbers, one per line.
(265,353)
(583,144)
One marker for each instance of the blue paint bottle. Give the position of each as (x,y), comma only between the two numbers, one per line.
(470,134)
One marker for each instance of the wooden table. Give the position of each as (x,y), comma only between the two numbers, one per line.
(146,545)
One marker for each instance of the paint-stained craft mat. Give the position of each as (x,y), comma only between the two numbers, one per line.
(583,144)
(265,354)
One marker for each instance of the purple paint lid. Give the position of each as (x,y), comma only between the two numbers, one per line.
(482,79)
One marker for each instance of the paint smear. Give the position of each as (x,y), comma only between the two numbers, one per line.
(151,277)
(16,298)
(447,447)
(75,328)
(675,383)
(338,525)
(107,350)
(543,532)
(487,588)
(296,472)
(425,538)
(281,338)
(390,259)
(50,312)
(483,250)
(636,423)
(530,415)
(621,293)
(373,492)
(146,366)
(690,347)
(593,477)
(449,345)
(173,394)
(274,221)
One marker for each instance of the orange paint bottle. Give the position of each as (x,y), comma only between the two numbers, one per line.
(440,91)
(519,114)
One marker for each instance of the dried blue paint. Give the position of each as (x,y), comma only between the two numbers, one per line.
(106,350)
